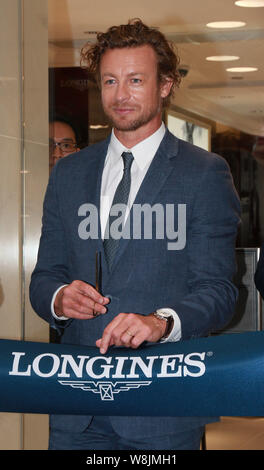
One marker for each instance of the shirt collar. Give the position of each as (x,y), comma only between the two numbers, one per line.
(143,152)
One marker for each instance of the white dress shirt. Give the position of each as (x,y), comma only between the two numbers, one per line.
(143,154)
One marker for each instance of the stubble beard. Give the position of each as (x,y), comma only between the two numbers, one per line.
(132,125)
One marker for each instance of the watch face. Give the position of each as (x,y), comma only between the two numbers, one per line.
(164,315)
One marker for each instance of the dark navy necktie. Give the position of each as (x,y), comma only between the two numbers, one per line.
(120,197)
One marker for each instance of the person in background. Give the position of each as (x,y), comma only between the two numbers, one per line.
(148,292)
(63,139)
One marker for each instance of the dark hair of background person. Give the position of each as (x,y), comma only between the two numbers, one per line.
(134,34)
(57,117)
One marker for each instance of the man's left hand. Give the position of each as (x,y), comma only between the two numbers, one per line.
(131,330)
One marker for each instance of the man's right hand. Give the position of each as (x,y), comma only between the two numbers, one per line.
(79,300)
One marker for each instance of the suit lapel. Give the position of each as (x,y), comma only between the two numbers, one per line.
(155,179)
(94,182)
(159,170)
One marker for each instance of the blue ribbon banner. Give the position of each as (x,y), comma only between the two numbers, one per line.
(220,375)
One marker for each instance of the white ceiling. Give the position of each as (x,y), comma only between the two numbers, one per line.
(233,99)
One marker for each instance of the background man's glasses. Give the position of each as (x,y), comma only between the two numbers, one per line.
(65,147)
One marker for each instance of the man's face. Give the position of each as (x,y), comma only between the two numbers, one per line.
(131,93)
(62,141)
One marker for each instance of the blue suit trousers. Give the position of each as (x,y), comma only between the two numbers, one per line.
(100,435)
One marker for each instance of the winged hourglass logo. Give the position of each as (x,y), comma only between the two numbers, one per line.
(107,390)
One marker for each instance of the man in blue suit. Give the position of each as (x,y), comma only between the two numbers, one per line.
(167,286)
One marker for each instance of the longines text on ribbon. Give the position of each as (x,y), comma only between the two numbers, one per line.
(102,367)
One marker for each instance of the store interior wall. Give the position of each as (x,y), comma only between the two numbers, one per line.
(23,180)
(25,98)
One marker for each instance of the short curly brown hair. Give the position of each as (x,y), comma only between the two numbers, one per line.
(134,34)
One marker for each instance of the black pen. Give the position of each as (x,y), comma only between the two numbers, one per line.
(98,271)
(97,275)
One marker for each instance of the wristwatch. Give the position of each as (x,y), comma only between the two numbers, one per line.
(168,317)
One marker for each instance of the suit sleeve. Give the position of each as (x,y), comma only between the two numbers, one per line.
(259,275)
(211,239)
(51,269)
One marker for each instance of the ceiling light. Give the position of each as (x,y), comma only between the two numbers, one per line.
(242,69)
(98,126)
(222,58)
(250,3)
(226,24)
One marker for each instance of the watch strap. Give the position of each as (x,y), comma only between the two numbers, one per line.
(168,318)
